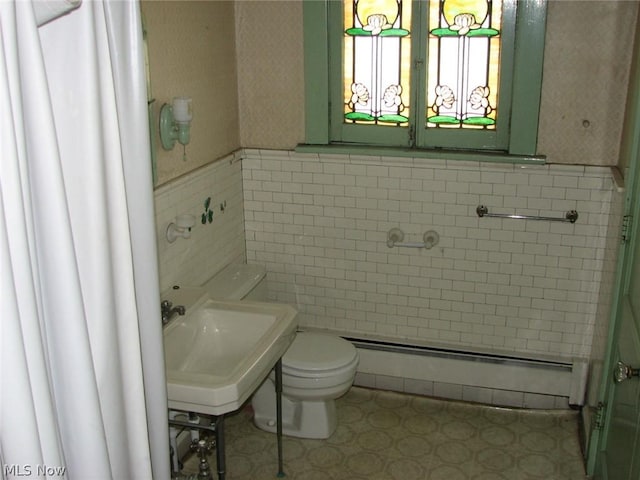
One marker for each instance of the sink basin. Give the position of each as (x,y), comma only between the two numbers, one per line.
(219,352)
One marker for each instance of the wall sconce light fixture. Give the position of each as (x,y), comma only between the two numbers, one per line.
(181,227)
(175,122)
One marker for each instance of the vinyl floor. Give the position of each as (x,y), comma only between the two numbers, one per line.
(385,435)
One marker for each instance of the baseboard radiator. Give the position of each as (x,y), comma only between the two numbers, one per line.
(471,370)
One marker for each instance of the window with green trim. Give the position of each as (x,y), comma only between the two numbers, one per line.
(429,74)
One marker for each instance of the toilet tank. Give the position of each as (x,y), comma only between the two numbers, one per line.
(239,281)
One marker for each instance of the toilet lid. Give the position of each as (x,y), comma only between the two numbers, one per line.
(318,351)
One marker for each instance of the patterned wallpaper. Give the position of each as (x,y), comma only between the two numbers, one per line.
(192,52)
(270,73)
(242,62)
(585,76)
(584,85)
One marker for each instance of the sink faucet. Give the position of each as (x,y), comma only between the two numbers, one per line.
(168,311)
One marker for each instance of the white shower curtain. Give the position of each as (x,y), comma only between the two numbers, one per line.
(82,387)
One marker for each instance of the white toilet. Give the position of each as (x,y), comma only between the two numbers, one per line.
(316,369)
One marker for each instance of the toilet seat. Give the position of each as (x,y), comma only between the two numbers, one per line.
(337,373)
(318,355)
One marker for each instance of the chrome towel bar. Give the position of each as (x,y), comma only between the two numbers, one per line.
(570,217)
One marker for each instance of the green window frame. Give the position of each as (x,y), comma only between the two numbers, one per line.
(514,139)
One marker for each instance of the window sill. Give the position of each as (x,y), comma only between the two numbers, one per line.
(455,155)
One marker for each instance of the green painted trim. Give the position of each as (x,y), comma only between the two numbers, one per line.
(629,159)
(495,157)
(334,45)
(527,84)
(316,59)
(419,24)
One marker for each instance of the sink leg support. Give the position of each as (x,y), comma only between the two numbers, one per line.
(220,458)
(279,415)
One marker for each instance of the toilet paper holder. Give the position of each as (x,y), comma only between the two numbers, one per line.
(395,238)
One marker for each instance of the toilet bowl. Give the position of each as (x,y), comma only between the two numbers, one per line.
(316,369)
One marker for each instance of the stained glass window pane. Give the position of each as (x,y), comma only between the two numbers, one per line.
(377,60)
(463,63)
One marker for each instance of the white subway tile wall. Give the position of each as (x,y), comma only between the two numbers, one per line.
(319,224)
(212,245)
(469,393)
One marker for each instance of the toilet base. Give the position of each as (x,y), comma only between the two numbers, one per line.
(300,418)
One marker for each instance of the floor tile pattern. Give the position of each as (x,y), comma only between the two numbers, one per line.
(385,435)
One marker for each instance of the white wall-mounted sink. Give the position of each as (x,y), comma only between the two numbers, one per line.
(219,352)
